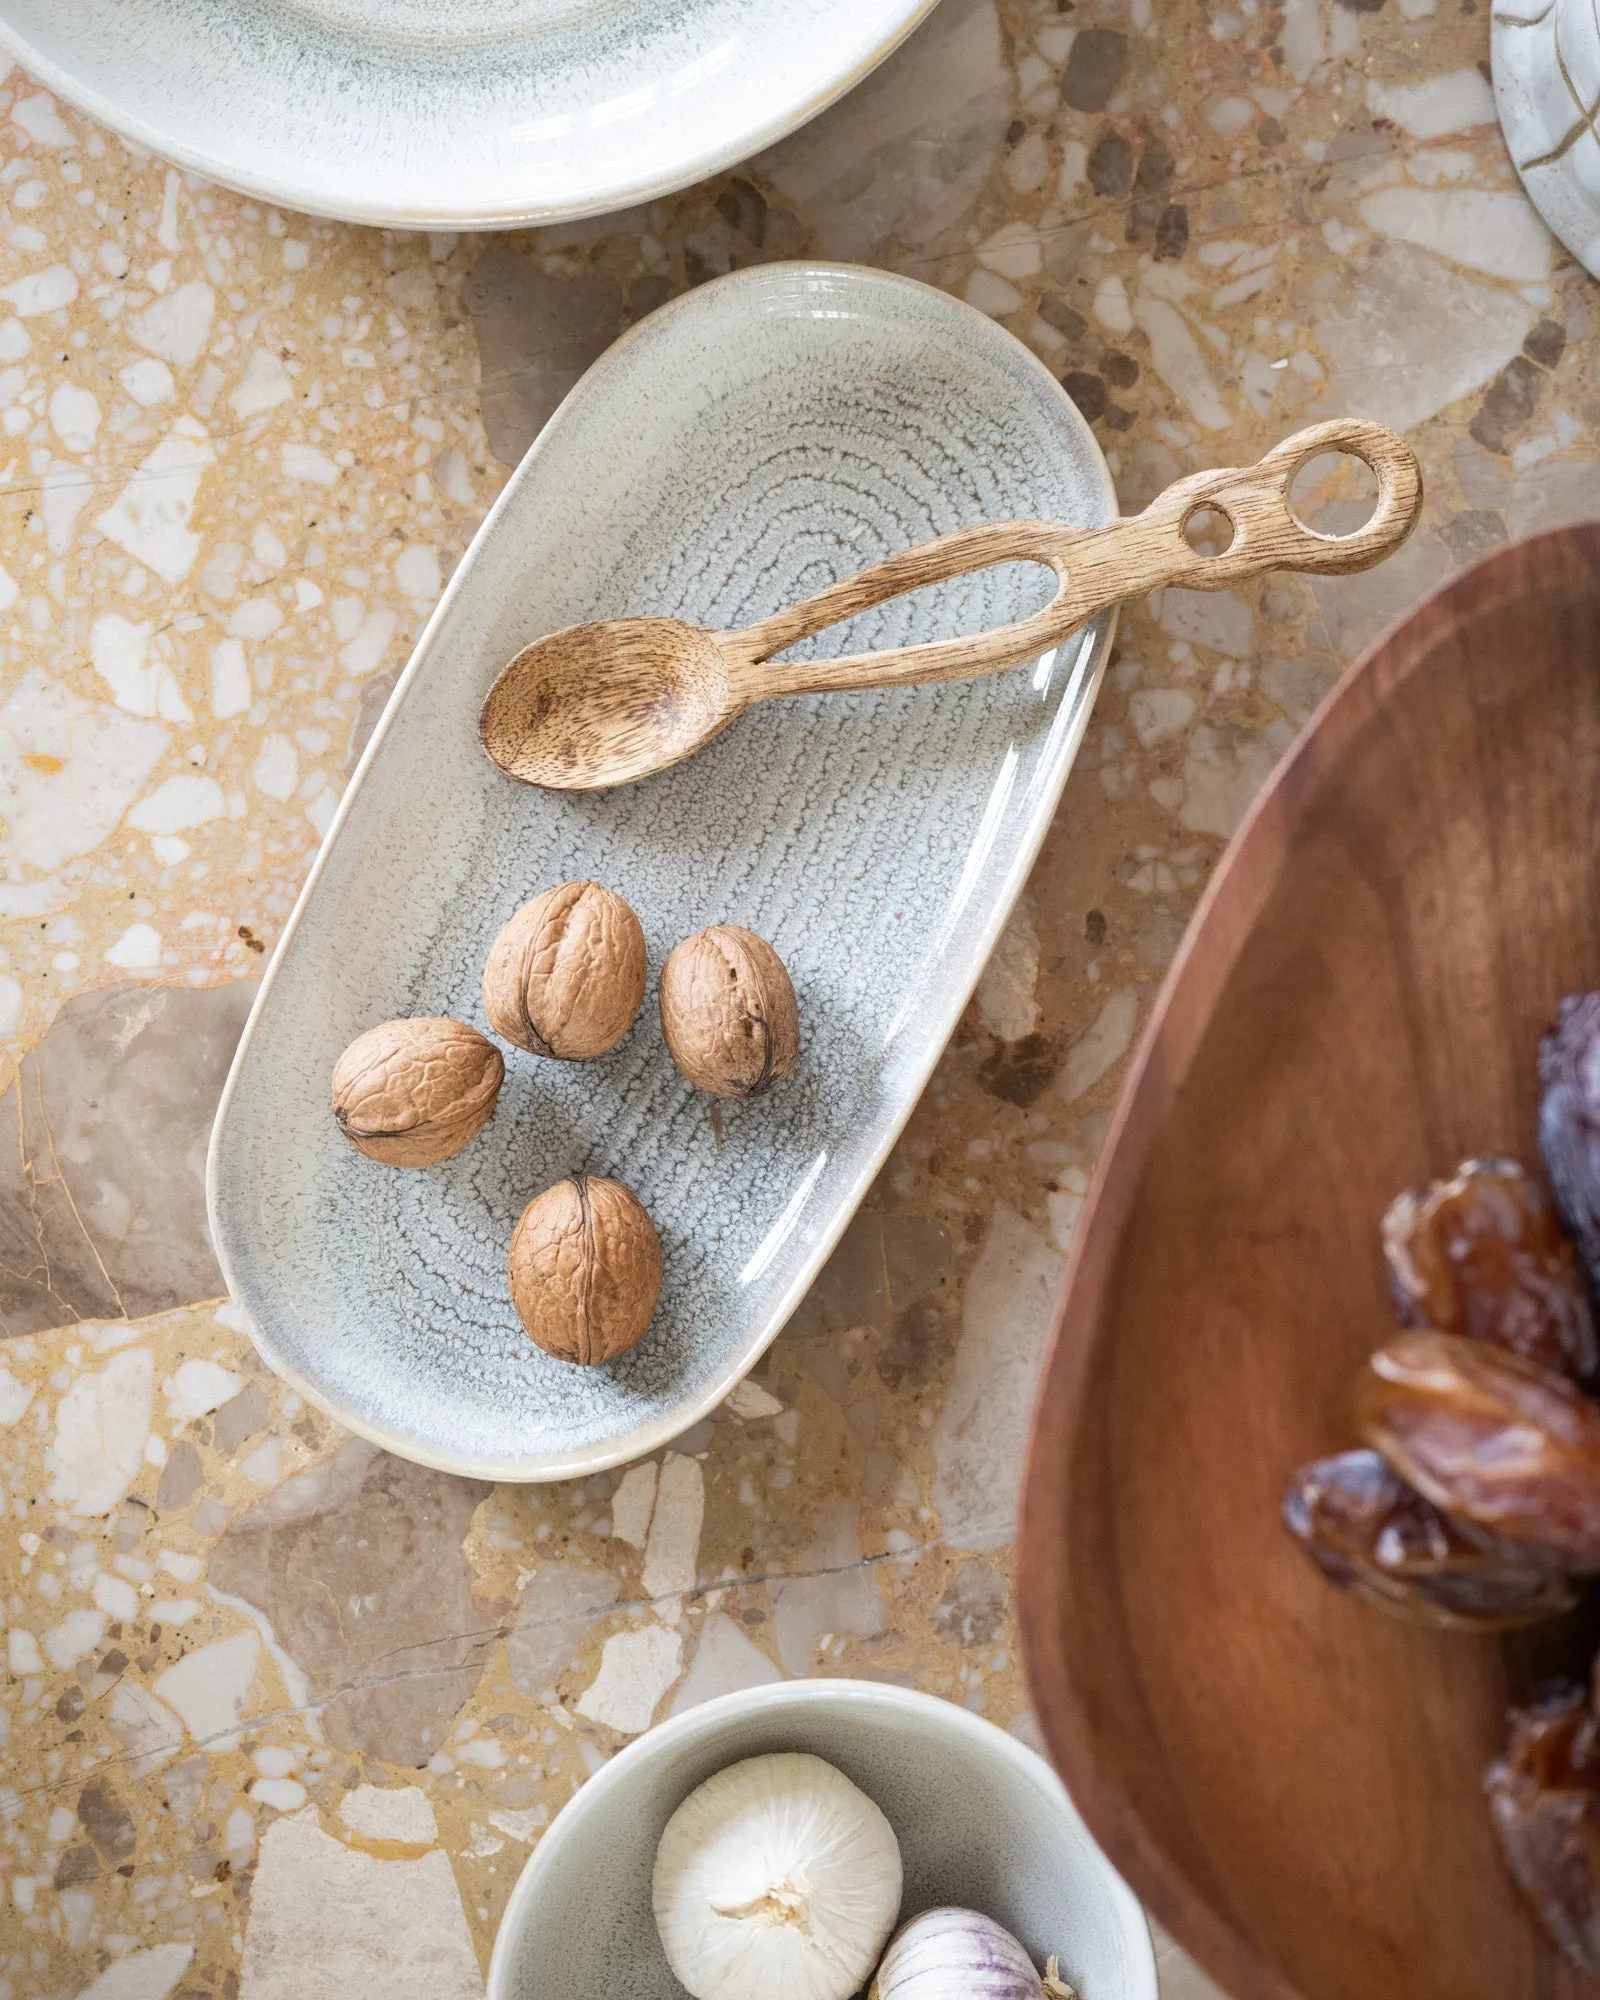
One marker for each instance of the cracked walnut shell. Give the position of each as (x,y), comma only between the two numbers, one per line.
(411,1093)
(565,977)
(728,1012)
(585,1269)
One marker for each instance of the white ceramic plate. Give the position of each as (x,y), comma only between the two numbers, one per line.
(1546,57)
(982,1824)
(745,446)
(454,114)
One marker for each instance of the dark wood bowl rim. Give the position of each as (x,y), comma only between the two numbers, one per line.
(1557,562)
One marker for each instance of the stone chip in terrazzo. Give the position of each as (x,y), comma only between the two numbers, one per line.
(636,1670)
(330,1923)
(561,1604)
(834,1595)
(142,1975)
(210,1687)
(725,1660)
(100,1428)
(672,1550)
(384,1538)
(902,158)
(1008,1304)
(403,1814)
(102,1205)
(632,1503)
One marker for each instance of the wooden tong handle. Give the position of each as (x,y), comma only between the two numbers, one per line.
(1096,567)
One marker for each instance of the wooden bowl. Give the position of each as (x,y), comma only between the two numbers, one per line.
(1288,1777)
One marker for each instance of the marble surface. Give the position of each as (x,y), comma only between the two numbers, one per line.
(284,1715)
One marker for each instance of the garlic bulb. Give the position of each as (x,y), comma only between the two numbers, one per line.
(954,1954)
(776,1878)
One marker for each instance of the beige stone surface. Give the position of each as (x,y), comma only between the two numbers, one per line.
(331,1923)
(281,1715)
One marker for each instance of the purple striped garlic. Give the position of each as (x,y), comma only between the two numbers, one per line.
(951,1954)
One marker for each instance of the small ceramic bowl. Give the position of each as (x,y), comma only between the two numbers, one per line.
(982,1822)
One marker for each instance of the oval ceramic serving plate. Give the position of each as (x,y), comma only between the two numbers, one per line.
(750,443)
(454,114)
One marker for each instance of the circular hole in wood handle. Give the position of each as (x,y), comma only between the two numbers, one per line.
(1208,529)
(1337,486)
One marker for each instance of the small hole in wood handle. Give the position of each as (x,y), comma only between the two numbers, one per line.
(1208,530)
(1334,493)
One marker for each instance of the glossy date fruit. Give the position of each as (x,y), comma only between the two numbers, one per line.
(1374,1535)
(1510,1450)
(1569,1122)
(1544,1805)
(1483,1254)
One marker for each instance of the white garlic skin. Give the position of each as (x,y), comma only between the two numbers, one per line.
(776,1878)
(951,1954)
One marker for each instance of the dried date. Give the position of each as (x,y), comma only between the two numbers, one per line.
(1510,1450)
(1544,1805)
(1569,1122)
(1483,1255)
(1372,1534)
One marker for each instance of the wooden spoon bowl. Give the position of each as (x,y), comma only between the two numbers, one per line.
(1289,1778)
(608,702)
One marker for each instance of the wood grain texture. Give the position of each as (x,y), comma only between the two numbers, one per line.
(1096,568)
(610,702)
(1290,1779)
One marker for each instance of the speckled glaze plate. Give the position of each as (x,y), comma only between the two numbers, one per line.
(1546,57)
(454,114)
(747,445)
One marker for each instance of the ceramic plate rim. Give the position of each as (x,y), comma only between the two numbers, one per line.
(1557,199)
(627,1447)
(773,123)
(823,1693)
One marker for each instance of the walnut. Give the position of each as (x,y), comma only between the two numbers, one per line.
(411,1093)
(566,976)
(585,1269)
(728,1012)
